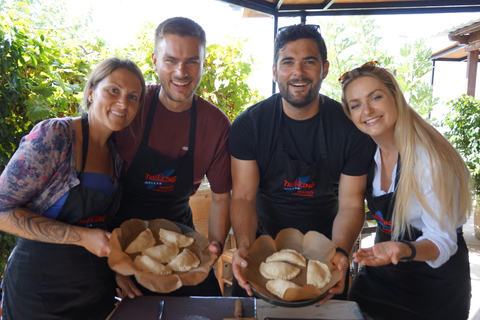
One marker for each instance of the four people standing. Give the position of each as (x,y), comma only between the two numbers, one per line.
(296,161)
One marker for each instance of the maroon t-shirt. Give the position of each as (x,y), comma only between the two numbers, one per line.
(169,137)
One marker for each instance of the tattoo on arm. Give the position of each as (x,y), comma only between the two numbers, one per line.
(33,226)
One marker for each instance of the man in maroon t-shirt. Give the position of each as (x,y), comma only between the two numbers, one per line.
(175,141)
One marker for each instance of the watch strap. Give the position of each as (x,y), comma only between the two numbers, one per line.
(412,247)
(343,251)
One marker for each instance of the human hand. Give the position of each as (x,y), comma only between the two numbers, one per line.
(126,287)
(381,254)
(239,262)
(341,261)
(214,247)
(95,241)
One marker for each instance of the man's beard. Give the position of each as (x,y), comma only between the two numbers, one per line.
(302,102)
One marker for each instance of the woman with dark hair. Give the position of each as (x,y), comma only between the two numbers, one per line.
(58,193)
(418,189)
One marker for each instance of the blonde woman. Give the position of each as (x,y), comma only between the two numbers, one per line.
(418,190)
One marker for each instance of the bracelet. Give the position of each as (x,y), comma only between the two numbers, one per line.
(221,245)
(412,247)
(343,251)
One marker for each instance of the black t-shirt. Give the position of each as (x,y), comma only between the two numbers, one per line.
(253,136)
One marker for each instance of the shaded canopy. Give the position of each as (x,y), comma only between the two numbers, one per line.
(303,8)
(467,37)
(466,48)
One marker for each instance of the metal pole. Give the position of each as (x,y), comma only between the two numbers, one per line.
(275,28)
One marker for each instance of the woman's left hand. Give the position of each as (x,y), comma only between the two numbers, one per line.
(381,254)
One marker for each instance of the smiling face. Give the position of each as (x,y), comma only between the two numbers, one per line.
(372,107)
(179,62)
(299,72)
(115,100)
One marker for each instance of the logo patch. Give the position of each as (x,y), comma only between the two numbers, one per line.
(386,226)
(163,182)
(299,187)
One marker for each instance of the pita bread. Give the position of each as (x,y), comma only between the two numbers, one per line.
(278,270)
(288,255)
(184,261)
(147,264)
(318,274)
(180,240)
(279,287)
(142,242)
(163,253)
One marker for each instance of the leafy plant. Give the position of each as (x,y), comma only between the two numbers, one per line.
(463,131)
(411,71)
(7,242)
(353,43)
(140,51)
(43,69)
(44,64)
(224,82)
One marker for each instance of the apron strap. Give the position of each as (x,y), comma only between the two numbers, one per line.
(85,142)
(151,113)
(193,128)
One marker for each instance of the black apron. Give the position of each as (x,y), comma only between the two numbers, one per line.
(157,187)
(411,290)
(58,281)
(304,196)
(294,194)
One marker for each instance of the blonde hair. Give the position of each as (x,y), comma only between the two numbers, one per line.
(450,176)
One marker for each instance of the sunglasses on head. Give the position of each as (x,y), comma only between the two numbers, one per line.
(368,66)
(314,27)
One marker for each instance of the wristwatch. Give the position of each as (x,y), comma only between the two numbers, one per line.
(414,251)
(343,251)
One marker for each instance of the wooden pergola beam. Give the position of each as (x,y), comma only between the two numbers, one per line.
(472,63)
(470,37)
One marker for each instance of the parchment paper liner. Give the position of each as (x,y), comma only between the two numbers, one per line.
(122,262)
(313,246)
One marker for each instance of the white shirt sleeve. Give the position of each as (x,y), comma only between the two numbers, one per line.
(445,240)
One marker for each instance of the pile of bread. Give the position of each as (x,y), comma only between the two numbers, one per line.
(283,266)
(164,258)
